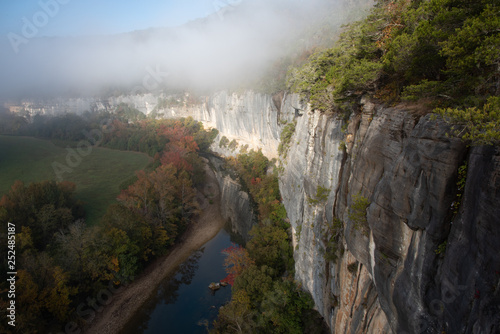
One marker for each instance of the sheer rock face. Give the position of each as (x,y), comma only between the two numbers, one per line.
(236,205)
(418,264)
(250,118)
(145,103)
(389,276)
(407,169)
(466,296)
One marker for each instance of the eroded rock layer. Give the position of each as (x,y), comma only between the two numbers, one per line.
(422,262)
(424,257)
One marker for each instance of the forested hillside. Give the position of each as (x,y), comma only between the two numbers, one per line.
(62,260)
(441,53)
(382,203)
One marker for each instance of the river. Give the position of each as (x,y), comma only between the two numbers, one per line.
(183,303)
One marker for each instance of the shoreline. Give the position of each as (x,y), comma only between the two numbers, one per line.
(126,302)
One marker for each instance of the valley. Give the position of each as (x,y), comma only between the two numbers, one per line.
(349,149)
(98,177)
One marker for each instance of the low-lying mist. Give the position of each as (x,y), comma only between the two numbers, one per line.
(229,47)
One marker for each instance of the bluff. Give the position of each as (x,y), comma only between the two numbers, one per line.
(424,259)
(421,262)
(236,208)
(249,118)
(395,225)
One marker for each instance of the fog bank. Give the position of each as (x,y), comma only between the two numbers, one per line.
(231,46)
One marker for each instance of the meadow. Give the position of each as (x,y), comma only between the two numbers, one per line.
(98,176)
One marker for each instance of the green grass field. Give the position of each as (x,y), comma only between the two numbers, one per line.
(97,177)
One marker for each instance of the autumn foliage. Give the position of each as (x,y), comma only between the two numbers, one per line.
(253,170)
(265,297)
(237,260)
(62,261)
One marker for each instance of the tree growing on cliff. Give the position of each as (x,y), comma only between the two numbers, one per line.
(478,126)
(357,213)
(445,50)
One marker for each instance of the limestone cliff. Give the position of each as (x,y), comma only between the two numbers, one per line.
(425,258)
(416,266)
(249,118)
(236,205)
(145,103)
(400,272)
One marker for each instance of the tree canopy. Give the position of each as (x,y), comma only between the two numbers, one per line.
(64,261)
(442,50)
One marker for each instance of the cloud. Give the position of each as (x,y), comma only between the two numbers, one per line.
(223,49)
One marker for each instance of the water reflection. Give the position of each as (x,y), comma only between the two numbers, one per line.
(168,289)
(183,302)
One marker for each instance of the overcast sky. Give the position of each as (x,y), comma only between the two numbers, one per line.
(83,47)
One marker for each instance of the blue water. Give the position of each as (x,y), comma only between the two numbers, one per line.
(184,303)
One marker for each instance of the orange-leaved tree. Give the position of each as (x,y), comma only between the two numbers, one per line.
(237,259)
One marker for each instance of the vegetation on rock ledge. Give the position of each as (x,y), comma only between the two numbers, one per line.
(443,50)
(357,213)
